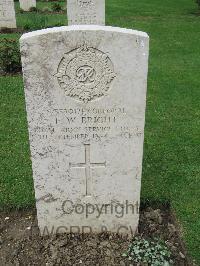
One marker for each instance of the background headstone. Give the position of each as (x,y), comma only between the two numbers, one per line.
(7,14)
(86,12)
(27,4)
(85,89)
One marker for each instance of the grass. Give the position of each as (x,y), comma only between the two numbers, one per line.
(34,20)
(171,167)
(16,185)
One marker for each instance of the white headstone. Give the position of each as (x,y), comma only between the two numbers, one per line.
(86,12)
(7,14)
(27,4)
(85,89)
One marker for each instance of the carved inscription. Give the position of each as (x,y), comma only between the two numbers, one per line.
(3,10)
(87,165)
(85,3)
(86,12)
(83,124)
(7,14)
(85,73)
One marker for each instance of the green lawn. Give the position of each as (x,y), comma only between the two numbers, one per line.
(171,168)
(39,20)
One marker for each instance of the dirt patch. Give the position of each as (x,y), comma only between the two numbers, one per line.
(8,30)
(15,74)
(45,12)
(21,244)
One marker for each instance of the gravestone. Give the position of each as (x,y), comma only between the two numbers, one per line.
(85,90)
(7,14)
(86,12)
(27,4)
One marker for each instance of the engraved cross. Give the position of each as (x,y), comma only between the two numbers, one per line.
(87,165)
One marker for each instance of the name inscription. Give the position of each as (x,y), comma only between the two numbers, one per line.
(87,124)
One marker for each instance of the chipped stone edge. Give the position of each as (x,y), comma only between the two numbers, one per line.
(82,28)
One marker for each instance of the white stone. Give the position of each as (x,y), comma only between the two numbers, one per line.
(7,14)
(85,89)
(27,4)
(86,12)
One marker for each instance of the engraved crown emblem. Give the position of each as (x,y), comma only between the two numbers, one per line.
(85,73)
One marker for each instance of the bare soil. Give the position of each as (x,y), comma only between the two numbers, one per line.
(8,30)
(21,244)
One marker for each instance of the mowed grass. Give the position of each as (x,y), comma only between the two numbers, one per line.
(16,185)
(171,167)
(39,20)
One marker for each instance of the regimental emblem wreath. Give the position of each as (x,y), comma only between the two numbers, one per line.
(85,73)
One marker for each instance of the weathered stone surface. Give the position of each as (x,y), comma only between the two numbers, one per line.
(86,12)
(27,4)
(85,89)
(7,14)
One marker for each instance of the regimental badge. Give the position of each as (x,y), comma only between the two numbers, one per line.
(85,73)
